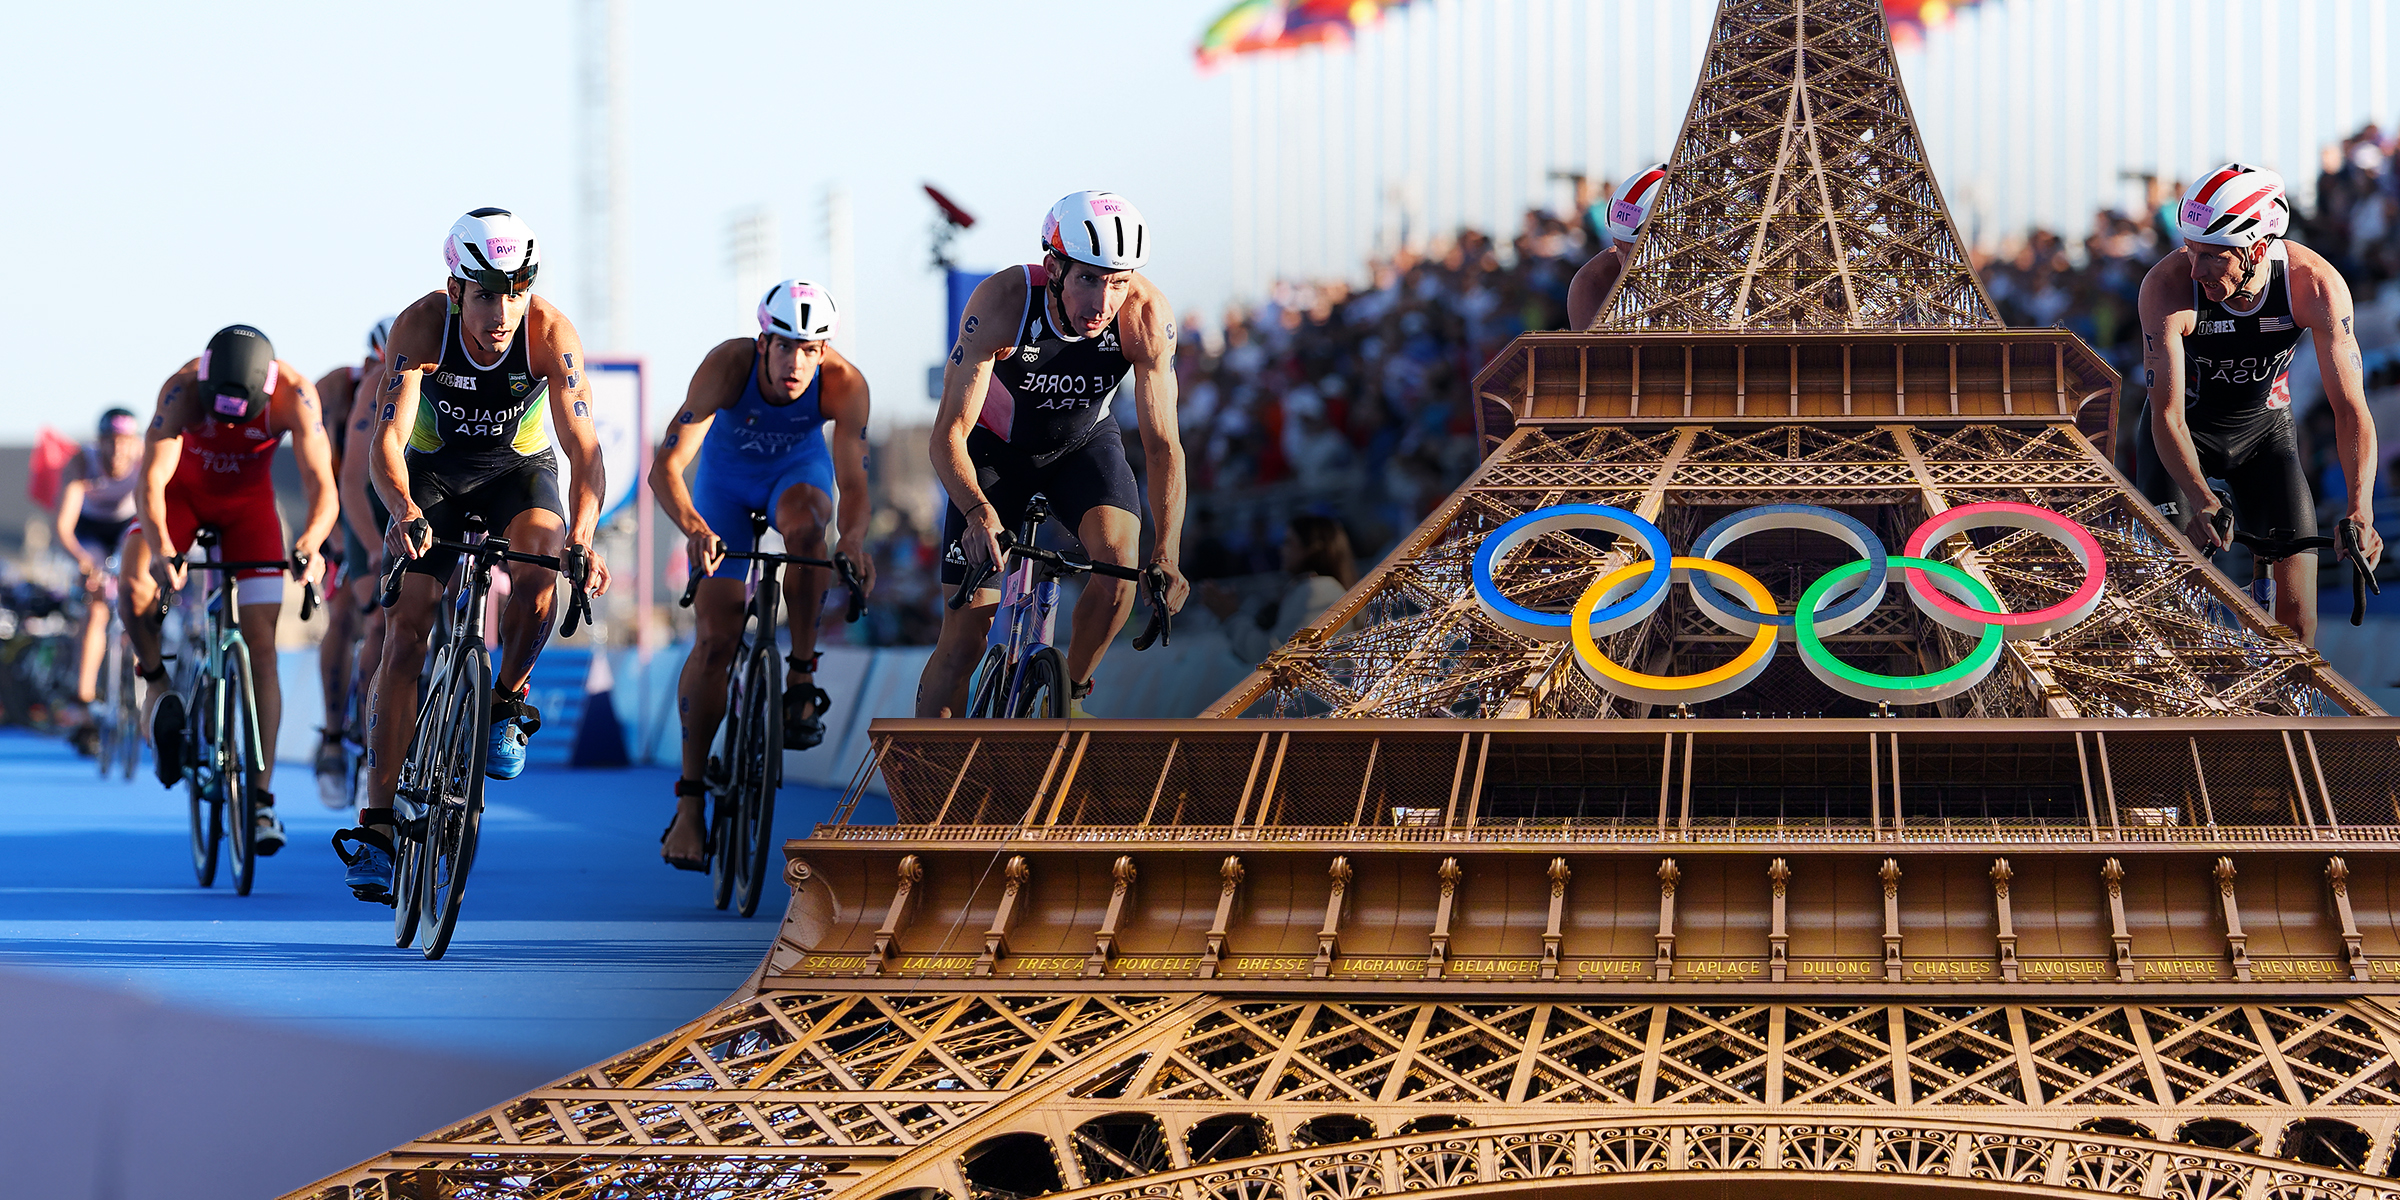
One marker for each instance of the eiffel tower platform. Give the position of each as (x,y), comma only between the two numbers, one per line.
(1493,880)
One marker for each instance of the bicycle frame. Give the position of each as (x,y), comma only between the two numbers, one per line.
(1026,623)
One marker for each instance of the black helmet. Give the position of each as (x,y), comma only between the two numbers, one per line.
(237,372)
(119,420)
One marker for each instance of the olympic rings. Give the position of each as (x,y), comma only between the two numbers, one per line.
(1843,526)
(1673,689)
(1551,627)
(1905,689)
(1839,600)
(2041,622)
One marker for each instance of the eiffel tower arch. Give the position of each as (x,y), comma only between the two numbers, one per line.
(1425,905)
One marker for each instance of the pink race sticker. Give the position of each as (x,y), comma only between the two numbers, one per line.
(500,249)
(2198,215)
(1106,207)
(1627,215)
(232,406)
(450,254)
(204,357)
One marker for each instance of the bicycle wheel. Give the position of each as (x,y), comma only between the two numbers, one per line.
(236,753)
(989,679)
(724,815)
(128,706)
(1044,691)
(408,832)
(762,761)
(454,813)
(199,790)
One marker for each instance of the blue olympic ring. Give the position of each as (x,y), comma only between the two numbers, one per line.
(1839,525)
(1552,626)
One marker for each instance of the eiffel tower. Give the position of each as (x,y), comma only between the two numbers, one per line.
(1427,905)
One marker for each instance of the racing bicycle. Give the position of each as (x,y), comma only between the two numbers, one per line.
(1024,674)
(437,812)
(222,747)
(2279,544)
(116,711)
(745,766)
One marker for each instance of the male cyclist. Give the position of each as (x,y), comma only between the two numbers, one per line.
(2220,319)
(754,418)
(1025,409)
(336,391)
(1626,212)
(207,461)
(458,434)
(95,508)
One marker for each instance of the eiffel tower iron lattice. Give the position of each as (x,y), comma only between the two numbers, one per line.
(1419,908)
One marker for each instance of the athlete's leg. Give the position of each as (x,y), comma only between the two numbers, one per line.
(392,715)
(258,621)
(92,640)
(2271,493)
(362,599)
(1109,535)
(802,511)
(700,702)
(335,655)
(532,595)
(942,689)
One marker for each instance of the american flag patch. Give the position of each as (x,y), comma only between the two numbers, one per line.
(2274,324)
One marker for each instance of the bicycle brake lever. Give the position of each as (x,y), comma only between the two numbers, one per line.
(849,574)
(1160,631)
(579,610)
(308,600)
(390,592)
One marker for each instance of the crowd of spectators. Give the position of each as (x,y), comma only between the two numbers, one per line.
(1351,401)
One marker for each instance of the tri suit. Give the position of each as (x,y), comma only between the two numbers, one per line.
(478,446)
(108,504)
(2237,402)
(1046,428)
(225,480)
(755,450)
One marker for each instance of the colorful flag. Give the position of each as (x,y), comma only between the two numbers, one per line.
(1910,19)
(1250,25)
(1253,25)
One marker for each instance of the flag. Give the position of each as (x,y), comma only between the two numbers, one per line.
(1248,26)
(1909,19)
(1254,25)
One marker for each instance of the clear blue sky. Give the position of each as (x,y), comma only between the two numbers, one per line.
(175,168)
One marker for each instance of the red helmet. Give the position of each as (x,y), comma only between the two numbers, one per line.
(2235,205)
(1633,202)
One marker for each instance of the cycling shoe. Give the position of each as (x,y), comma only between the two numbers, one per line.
(799,732)
(166,739)
(370,874)
(513,724)
(266,830)
(333,774)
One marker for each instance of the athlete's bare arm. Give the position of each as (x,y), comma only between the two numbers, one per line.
(412,350)
(985,335)
(718,381)
(293,409)
(335,390)
(1147,329)
(351,472)
(2167,319)
(556,354)
(2321,303)
(843,400)
(1589,289)
(162,451)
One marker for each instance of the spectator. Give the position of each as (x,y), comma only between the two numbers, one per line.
(1316,554)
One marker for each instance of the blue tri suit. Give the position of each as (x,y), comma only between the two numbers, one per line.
(754,452)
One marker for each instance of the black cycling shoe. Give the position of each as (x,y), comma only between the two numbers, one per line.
(803,733)
(166,739)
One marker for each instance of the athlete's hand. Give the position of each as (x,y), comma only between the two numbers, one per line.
(311,566)
(597,581)
(2201,527)
(981,540)
(170,572)
(705,550)
(863,566)
(408,536)
(1179,589)
(2369,541)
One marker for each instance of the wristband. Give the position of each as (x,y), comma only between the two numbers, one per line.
(986,504)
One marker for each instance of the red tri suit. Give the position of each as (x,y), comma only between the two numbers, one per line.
(225,481)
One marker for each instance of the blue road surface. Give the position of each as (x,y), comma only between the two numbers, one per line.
(576,943)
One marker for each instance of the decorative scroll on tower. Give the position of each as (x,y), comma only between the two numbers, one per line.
(1799,196)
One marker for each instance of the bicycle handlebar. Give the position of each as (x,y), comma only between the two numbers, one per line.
(2272,550)
(1153,579)
(839,564)
(295,564)
(575,564)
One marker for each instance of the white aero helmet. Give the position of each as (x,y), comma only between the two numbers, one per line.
(1633,202)
(377,336)
(494,250)
(1100,228)
(797,309)
(2235,205)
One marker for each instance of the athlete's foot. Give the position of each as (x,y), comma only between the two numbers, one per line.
(804,704)
(369,877)
(166,739)
(266,831)
(684,843)
(1075,696)
(333,772)
(513,724)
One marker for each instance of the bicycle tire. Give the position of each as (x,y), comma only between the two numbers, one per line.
(102,711)
(207,821)
(1043,692)
(236,751)
(408,891)
(129,710)
(724,816)
(454,823)
(755,811)
(990,678)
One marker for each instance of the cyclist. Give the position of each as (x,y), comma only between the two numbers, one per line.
(207,461)
(335,655)
(763,455)
(2220,320)
(1025,409)
(1626,212)
(95,508)
(459,433)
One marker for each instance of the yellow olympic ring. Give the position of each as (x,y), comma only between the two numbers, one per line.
(1672,689)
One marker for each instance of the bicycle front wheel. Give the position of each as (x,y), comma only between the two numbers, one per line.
(236,755)
(127,708)
(1044,690)
(754,791)
(200,791)
(454,794)
(990,679)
